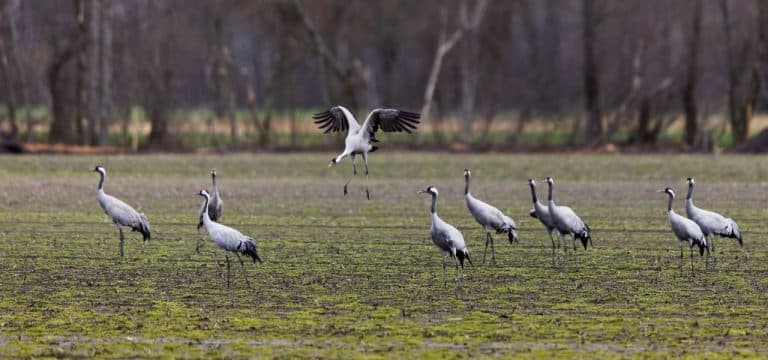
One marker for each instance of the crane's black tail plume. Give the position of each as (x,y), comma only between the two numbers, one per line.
(732,231)
(143,227)
(511,232)
(250,250)
(461,255)
(585,236)
(532,213)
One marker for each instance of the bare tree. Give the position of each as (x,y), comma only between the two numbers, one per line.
(692,76)
(104,110)
(221,76)
(445,43)
(9,80)
(744,72)
(350,73)
(591,72)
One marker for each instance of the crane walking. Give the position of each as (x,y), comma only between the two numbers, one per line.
(360,139)
(541,212)
(121,213)
(215,208)
(228,239)
(490,218)
(446,237)
(566,221)
(685,230)
(711,223)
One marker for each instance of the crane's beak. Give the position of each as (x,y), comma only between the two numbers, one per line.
(420,192)
(660,191)
(331,164)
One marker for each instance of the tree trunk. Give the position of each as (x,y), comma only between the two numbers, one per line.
(591,73)
(741,59)
(5,70)
(82,17)
(105,71)
(689,90)
(158,135)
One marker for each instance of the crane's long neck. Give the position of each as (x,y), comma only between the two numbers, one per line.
(344,154)
(215,188)
(669,205)
(433,209)
(549,192)
(206,218)
(466,184)
(690,192)
(533,193)
(101,181)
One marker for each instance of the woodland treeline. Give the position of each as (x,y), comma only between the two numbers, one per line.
(600,67)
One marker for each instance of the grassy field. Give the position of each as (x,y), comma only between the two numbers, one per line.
(345,277)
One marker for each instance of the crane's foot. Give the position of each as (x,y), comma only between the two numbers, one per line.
(345,189)
(367,194)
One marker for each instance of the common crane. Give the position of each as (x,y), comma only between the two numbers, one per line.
(711,223)
(446,237)
(490,218)
(215,208)
(566,221)
(228,239)
(121,213)
(541,212)
(360,139)
(684,229)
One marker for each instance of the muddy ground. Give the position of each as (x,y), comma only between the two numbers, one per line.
(344,276)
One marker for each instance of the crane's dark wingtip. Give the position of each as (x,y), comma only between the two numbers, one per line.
(532,213)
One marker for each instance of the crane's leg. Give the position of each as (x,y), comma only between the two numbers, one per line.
(551,239)
(245,274)
(493,251)
(487,242)
(122,239)
(354,172)
(226,257)
(367,193)
(443,255)
(692,272)
(458,273)
(197,247)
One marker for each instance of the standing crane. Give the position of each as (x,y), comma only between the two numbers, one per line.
(446,237)
(360,139)
(566,221)
(541,212)
(686,230)
(229,240)
(711,223)
(121,213)
(490,218)
(215,208)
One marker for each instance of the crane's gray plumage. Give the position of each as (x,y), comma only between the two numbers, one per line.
(228,239)
(711,223)
(686,231)
(360,139)
(446,237)
(215,208)
(489,217)
(566,221)
(541,212)
(121,213)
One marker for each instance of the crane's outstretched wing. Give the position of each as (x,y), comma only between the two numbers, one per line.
(392,120)
(334,120)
